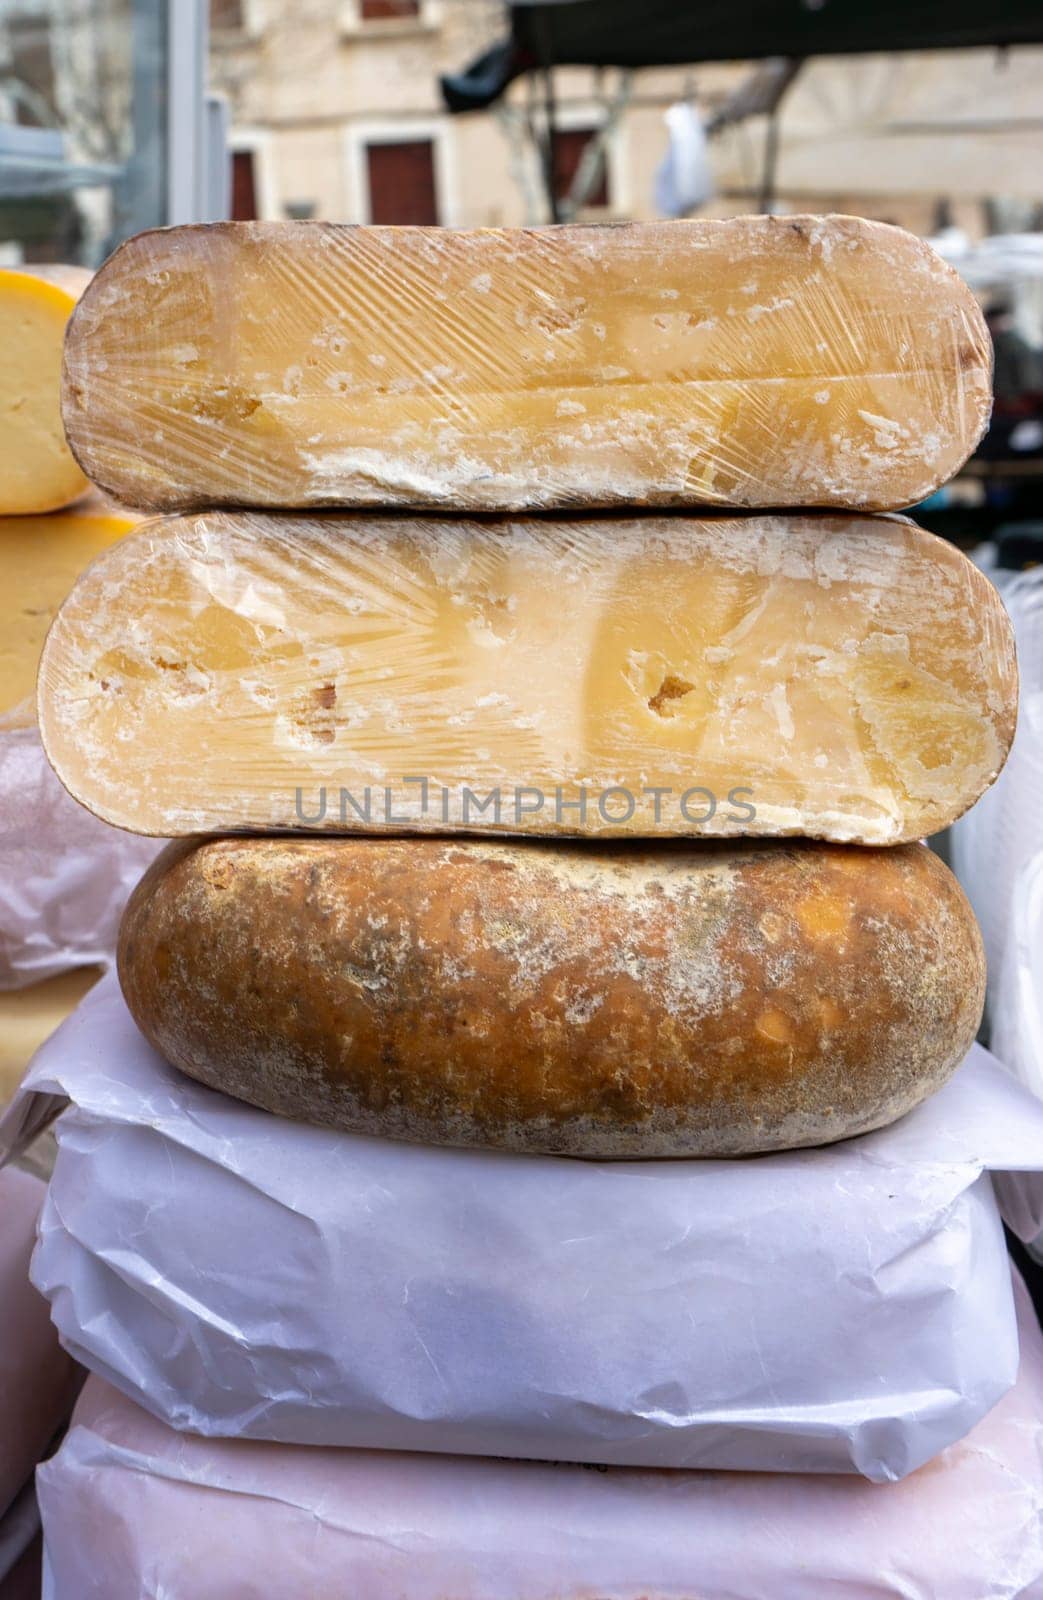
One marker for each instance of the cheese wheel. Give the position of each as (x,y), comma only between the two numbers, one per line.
(42,558)
(37,470)
(762,361)
(581,1000)
(848,678)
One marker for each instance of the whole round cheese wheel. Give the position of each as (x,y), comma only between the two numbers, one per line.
(581,999)
(37,470)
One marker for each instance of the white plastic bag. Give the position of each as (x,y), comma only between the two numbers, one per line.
(999,836)
(64,876)
(1017,1026)
(132,1509)
(684,177)
(1017,1022)
(839,1309)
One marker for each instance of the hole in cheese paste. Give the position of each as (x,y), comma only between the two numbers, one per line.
(670,690)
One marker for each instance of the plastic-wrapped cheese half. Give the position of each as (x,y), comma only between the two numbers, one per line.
(843,678)
(42,558)
(586,1000)
(37,470)
(762,361)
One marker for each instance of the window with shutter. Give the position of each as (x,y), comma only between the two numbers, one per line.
(385,10)
(569,145)
(244,186)
(402,186)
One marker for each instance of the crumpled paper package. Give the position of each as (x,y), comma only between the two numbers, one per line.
(132,1509)
(64,875)
(38,1381)
(839,1309)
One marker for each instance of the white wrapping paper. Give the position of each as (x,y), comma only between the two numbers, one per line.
(241,1275)
(64,876)
(131,1509)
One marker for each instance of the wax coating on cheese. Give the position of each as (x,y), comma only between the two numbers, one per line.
(762,361)
(839,677)
(37,470)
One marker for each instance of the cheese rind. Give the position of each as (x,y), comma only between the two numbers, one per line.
(805,361)
(845,678)
(37,470)
(42,557)
(585,1000)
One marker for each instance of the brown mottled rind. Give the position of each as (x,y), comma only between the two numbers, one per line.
(585,1000)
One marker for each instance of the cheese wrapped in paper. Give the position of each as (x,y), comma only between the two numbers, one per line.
(763,361)
(843,678)
(132,1508)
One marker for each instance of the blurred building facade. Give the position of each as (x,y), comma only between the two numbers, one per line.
(336,113)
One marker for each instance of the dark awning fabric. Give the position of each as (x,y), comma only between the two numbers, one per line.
(657,33)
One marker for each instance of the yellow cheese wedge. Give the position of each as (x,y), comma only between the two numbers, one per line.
(29,1016)
(42,557)
(846,678)
(756,362)
(37,471)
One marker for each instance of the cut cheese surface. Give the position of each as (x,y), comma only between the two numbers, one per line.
(845,678)
(42,557)
(37,470)
(801,361)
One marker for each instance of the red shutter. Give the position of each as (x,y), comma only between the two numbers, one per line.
(402,182)
(379,10)
(569,145)
(244,189)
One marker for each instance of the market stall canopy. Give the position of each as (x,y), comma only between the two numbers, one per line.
(657,33)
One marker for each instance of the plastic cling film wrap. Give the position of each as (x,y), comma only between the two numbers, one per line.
(808,361)
(131,1508)
(64,876)
(833,1310)
(849,678)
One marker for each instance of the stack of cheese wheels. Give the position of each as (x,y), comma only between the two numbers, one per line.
(550,833)
(521,799)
